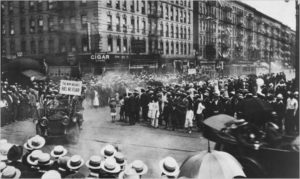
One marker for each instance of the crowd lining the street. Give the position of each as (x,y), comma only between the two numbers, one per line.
(186,104)
(172,105)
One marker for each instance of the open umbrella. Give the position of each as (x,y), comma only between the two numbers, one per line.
(211,165)
(219,121)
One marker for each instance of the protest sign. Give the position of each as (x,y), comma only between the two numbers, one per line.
(68,87)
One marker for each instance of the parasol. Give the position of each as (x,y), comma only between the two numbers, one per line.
(210,165)
(220,121)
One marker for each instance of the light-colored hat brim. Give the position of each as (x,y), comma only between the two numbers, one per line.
(174,173)
(30,161)
(18,174)
(116,170)
(27,147)
(77,167)
(65,151)
(42,144)
(144,171)
(92,167)
(47,164)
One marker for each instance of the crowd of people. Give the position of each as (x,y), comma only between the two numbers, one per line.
(30,161)
(186,104)
(20,102)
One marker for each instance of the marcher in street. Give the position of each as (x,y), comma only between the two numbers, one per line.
(113,110)
(291,111)
(95,100)
(280,108)
(144,101)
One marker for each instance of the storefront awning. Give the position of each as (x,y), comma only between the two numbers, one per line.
(32,73)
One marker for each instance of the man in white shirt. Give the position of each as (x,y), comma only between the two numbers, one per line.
(291,111)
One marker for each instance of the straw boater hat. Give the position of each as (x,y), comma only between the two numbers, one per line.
(279,96)
(110,165)
(45,159)
(120,159)
(36,142)
(169,166)
(33,157)
(4,148)
(51,174)
(11,172)
(94,162)
(108,151)
(129,173)
(58,151)
(75,162)
(139,166)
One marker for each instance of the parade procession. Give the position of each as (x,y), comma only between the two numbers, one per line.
(133,89)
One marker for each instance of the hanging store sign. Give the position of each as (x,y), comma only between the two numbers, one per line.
(99,57)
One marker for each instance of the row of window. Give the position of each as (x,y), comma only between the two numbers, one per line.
(135,5)
(38,25)
(38,46)
(173,31)
(235,19)
(171,12)
(168,47)
(31,6)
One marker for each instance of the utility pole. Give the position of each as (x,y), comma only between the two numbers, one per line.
(89,35)
(297,46)
(217,37)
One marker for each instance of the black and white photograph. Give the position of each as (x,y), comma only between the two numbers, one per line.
(152,89)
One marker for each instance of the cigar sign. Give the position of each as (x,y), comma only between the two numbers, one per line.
(68,87)
(99,57)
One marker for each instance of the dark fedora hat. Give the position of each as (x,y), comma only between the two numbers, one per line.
(15,153)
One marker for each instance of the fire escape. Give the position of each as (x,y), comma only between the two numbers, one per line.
(154,32)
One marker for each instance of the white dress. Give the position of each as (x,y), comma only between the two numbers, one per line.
(96,99)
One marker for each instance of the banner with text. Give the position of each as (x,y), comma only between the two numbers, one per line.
(191,71)
(70,87)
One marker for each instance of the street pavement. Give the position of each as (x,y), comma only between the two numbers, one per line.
(135,142)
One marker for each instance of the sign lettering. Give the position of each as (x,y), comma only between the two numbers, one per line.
(98,57)
(68,87)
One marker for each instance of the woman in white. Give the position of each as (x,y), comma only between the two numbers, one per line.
(96,99)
